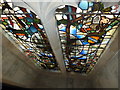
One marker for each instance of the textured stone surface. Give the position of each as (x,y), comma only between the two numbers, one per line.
(14,69)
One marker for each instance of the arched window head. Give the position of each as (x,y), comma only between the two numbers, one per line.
(85,31)
(27,31)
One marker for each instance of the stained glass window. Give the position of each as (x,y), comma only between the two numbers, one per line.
(85,31)
(27,31)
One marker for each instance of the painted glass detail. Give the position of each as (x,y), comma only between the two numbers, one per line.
(26,30)
(85,31)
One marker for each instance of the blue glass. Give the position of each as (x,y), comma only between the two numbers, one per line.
(50,55)
(84,52)
(31,15)
(75,57)
(84,42)
(29,19)
(63,29)
(43,54)
(33,29)
(109,27)
(73,31)
(73,64)
(92,39)
(79,26)
(90,3)
(70,10)
(83,5)
(39,54)
(84,57)
(41,27)
(80,36)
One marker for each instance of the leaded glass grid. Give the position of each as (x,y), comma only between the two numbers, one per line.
(85,31)
(27,31)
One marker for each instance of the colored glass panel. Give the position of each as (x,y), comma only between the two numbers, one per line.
(85,31)
(27,31)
